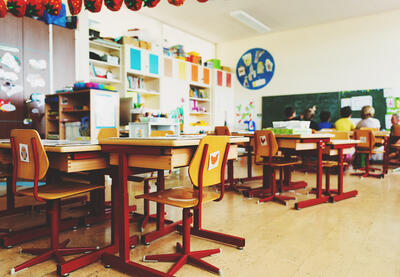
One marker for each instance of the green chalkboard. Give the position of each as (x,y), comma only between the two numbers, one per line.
(273,106)
(378,102)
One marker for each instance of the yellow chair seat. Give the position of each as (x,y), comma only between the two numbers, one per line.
(281,161)
(61,190)
(180,197)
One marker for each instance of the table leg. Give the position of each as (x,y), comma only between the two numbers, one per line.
(340,194)
(319,198)
(120,227)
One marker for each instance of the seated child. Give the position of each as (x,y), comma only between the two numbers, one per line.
(325,117)
(344,123)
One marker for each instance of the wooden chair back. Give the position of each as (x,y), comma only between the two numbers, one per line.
(207,167)
(161,133)
(107,133)
(339,134)
(222,131)
(265,145)
(366,137)
(29,158)
(367,128)
(396,130)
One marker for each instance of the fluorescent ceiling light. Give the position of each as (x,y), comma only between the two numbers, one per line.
(250,21)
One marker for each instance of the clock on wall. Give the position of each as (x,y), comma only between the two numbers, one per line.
(255,68)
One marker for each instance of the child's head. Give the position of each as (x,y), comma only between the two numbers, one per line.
(309,114)
(290,112)
(345,111)
(367,111)
(325,116)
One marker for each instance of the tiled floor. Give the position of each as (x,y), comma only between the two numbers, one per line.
(355,237)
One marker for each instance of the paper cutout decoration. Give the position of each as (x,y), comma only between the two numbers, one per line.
(167,67)
(38,64)
(176,2)
(219,78)
(75,6)
(206,76)
(6,106)
(228,80)
(3,9)
(53,7)
(35,80)
(214,160)
(34,8)
(10,89)
(93,5)
(23,153)
(9,49)
(182,70)
(10,61)
(151,3)
(16,7)
(263,140)
(113,5)
(202,1)
(255,68)
(195,73)
(7,75)
(134,5)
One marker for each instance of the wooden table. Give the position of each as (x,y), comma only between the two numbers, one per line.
(68,157)
(131,155)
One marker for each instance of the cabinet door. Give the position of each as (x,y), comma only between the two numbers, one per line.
(136,59)
(153,64)
(195,73)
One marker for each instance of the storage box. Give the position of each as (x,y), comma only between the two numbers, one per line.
(216,63)
(226,68)
(130,41)
(143,44)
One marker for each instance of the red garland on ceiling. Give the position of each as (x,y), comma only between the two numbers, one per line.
(113,5)
(75,6)
(35,8)
(176,2)
(93,6)
(53,7)
(134,5)
(3,9)
(151,3)
(16,7)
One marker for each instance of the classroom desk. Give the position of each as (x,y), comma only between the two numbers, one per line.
(315,142)
(127,156)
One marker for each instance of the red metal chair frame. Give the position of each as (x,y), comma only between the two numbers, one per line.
(183,253)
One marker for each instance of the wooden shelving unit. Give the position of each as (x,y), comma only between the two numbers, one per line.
(73,106)
(199,106)
(104,66)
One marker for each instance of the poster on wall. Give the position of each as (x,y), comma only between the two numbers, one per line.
(255,68)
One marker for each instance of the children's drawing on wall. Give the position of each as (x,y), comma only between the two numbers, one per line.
(35,80)
(245,115)
(12,62)
(178,114)
(6,106)
(37,64)
(255,68)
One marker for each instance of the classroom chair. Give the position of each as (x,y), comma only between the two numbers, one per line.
(265,150)
(207,168)
(222,131)
(395,145)
(367,148)
(31,163)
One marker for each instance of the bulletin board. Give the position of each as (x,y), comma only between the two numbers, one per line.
(255,68)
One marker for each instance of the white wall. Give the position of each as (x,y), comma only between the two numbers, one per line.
(359,53)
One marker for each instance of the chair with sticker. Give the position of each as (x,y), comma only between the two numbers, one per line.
(266,149)
(31,163)
(222,131)
(207,168)
(366,149)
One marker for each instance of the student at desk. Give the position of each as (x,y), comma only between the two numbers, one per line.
(290,114)
(344,123)
(368,120)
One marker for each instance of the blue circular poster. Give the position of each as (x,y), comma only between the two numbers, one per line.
(255,68)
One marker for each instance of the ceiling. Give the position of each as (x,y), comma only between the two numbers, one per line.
(211,20)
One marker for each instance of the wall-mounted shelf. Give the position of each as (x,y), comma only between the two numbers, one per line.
(103,80)
(105,64)
(200,99)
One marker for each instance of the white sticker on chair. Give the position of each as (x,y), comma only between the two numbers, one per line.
(363,139)
(214,160)
(23,153)
(263,140)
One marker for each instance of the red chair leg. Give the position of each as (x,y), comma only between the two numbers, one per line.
(183,254)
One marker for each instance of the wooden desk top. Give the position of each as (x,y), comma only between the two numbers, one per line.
(301,136)
(343,141)
(61,146)
(164,141)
